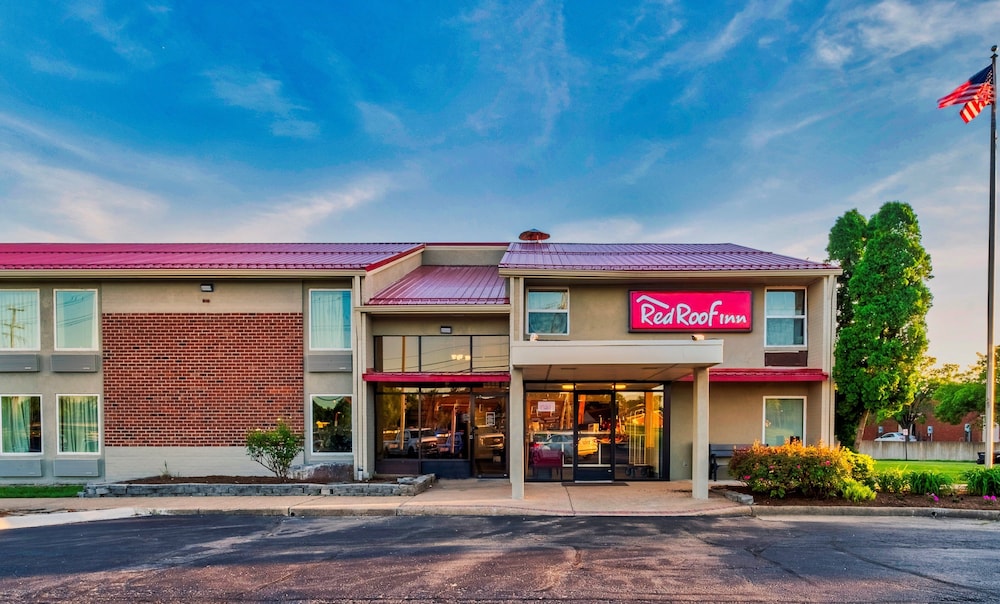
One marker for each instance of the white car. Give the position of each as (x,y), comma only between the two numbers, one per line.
(895,436)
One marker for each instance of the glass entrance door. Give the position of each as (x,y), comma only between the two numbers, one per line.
(594,437)
(489,440)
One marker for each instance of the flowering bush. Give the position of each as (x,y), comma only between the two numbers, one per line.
(891,481)
(813,471)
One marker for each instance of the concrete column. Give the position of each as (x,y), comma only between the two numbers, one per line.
(515,451)
(699,456)
(363,408)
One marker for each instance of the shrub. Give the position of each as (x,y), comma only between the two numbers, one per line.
(891,481)
(813,471)
(928,483)
(982,481)
(856,491)
(862,467)
(274,449)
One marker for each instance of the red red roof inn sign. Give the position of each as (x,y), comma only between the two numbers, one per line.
(690,311)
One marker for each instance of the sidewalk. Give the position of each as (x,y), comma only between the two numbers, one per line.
(445,497)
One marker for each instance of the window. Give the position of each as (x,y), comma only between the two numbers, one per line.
(79,428)
(19,325)
(784,420)
(331,424)
(20,424)
(329,319)
(785,311)
(76,319)
(548,312)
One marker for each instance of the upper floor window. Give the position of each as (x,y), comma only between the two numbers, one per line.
(76,319)
(785,313)
(548,312)
(19,325)
(329,319)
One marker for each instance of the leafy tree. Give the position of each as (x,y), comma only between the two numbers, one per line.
(931,378)
(882,343)
(846,246)
(963,393)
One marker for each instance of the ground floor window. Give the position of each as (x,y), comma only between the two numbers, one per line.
(20,424)
(454,431)
(79,424)
(594,432)
(331,423)
(784,420)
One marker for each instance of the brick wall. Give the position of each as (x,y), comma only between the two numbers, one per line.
(200,379)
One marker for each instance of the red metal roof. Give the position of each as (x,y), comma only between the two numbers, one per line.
(446,285)
(167,256)
(648,257)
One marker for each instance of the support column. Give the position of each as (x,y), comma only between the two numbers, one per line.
(699,456)
(517,433)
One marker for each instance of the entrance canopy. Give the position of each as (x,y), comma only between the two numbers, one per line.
(613,360)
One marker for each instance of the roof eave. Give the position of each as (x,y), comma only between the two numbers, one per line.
(694,274)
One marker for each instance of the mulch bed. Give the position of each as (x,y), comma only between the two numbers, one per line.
(884,500)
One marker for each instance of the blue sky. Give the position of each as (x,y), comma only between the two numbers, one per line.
(757,123)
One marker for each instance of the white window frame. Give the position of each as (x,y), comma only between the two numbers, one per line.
(312,427)
(100,428)
(804,317)
(94,331)
(350,332)
(38,322)
(528,310)
(41,419)
(763,414)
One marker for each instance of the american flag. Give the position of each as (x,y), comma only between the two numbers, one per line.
(968,90)
(973,107)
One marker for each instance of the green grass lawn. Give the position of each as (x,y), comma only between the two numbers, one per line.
(25,491)
(952,469)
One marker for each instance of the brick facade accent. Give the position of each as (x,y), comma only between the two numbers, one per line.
(200,379)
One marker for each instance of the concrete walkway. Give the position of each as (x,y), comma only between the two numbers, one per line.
(445,497)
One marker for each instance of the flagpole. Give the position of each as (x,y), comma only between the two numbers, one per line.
(990,353)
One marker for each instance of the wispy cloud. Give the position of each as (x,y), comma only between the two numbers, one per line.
(78,204)
(262,94)
(113,31)
(714,46)
(654,153)
(894,27)
(527,49)
(760,134)
(67,70)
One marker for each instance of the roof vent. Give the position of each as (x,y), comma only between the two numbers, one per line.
(533,235)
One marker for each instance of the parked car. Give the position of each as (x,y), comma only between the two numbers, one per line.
(564,441)
(896,437)
(410,441)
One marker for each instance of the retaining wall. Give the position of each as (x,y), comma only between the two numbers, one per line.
(407,486)
(923,450)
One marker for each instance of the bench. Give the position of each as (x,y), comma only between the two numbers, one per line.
(719,455)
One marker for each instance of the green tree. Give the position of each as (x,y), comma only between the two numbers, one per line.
(846,246)
(963,393)
(881,346)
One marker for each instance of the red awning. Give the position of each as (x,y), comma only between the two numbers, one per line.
(422,377)
(767,374)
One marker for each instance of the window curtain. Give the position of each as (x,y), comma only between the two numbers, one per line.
(15,419)
(78,429)
(330,320)
(18,320)
(783,420)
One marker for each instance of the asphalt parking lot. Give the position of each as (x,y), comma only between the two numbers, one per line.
(500,559)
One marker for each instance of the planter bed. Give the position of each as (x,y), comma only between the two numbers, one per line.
(407,486)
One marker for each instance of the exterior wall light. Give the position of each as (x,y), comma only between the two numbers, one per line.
(208,287)
(446,329)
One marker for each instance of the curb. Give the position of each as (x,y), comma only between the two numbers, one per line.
(806,510)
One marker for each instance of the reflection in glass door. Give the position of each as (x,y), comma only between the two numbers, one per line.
(594,437)
(489,447)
